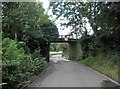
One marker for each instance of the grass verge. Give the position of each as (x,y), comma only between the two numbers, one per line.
(103,65)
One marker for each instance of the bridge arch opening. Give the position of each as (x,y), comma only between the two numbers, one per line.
(58,48)
(70,50)
(66,49)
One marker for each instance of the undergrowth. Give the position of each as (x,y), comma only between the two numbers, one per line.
(106,64)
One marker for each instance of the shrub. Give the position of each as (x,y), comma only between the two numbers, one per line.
(18,66)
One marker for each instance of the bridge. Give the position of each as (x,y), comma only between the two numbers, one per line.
(74,45)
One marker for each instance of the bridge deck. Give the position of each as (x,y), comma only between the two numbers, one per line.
(63,40)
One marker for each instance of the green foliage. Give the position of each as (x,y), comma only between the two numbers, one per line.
(104,21)
(65,49)
(27,32)
(21,20)
(36,54)
(10,50)
(39,61)
(88,61)
(18,66)
(107,64)
(27,22)
(55,47)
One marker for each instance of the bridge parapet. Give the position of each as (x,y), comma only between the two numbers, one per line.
(66,36)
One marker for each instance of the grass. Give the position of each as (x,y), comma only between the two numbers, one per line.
(111,72)
(103,65)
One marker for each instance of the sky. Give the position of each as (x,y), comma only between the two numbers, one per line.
(62,30)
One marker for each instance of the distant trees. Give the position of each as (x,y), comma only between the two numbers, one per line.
(65,49)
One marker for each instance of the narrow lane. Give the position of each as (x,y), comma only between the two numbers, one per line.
(65,73)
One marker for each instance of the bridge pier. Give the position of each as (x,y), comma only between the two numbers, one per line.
(74,50)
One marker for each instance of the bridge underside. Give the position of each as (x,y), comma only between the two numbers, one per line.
(74,47)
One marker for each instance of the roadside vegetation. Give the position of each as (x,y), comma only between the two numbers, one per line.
(100,43)
(27,32)
(103,64)
(26,35)
(18,66)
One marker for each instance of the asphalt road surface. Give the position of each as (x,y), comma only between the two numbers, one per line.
(65,73)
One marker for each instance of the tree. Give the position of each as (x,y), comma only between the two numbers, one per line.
(27,32)
(102,16)
(24,23)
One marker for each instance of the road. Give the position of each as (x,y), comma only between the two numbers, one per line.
(65,73)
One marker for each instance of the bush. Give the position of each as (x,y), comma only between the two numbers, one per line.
(18,66)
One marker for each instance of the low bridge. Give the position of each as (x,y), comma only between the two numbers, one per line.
(74,45)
